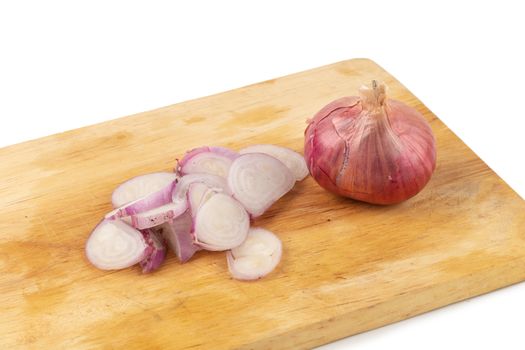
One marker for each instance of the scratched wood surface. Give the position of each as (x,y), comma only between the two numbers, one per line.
(347,267)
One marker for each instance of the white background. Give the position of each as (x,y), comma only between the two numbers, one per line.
(66,64)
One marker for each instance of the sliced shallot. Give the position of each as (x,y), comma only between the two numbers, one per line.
(257,180)
(256,257)
(221,223)
(148,202)
(178,234)
(212,181)
(141,186)
(207,203)
(157,215)
(208,160)
(293,160)
(198,194)
(155,253)
(114,245)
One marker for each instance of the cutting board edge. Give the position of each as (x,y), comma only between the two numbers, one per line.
(511,275)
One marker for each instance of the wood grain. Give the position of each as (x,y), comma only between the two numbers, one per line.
(347,267)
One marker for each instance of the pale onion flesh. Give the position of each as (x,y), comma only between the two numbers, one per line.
(213,181)
(259,254)
(202,205)
(221,223)
(208,160)
(148,202)
(114,245)
(257,180)
(141,186)
(294,161)
(198,194)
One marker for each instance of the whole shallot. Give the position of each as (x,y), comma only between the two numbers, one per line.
(370,148)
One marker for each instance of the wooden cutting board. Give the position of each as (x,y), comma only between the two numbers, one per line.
(347,267)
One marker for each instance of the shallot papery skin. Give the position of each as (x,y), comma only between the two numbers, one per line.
(370,148)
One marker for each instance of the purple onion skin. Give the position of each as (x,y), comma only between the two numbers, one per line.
(155,253)
(178,234)
(380,151)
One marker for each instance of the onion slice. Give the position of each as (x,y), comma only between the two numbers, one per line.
(256,257)
(114,245)
(155,253)
(151,201)
(208,160)
(212,181)
(257,180)
(157,215)
(221,223)
(141,186)
(198,194)
(178,234)
(294,161)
